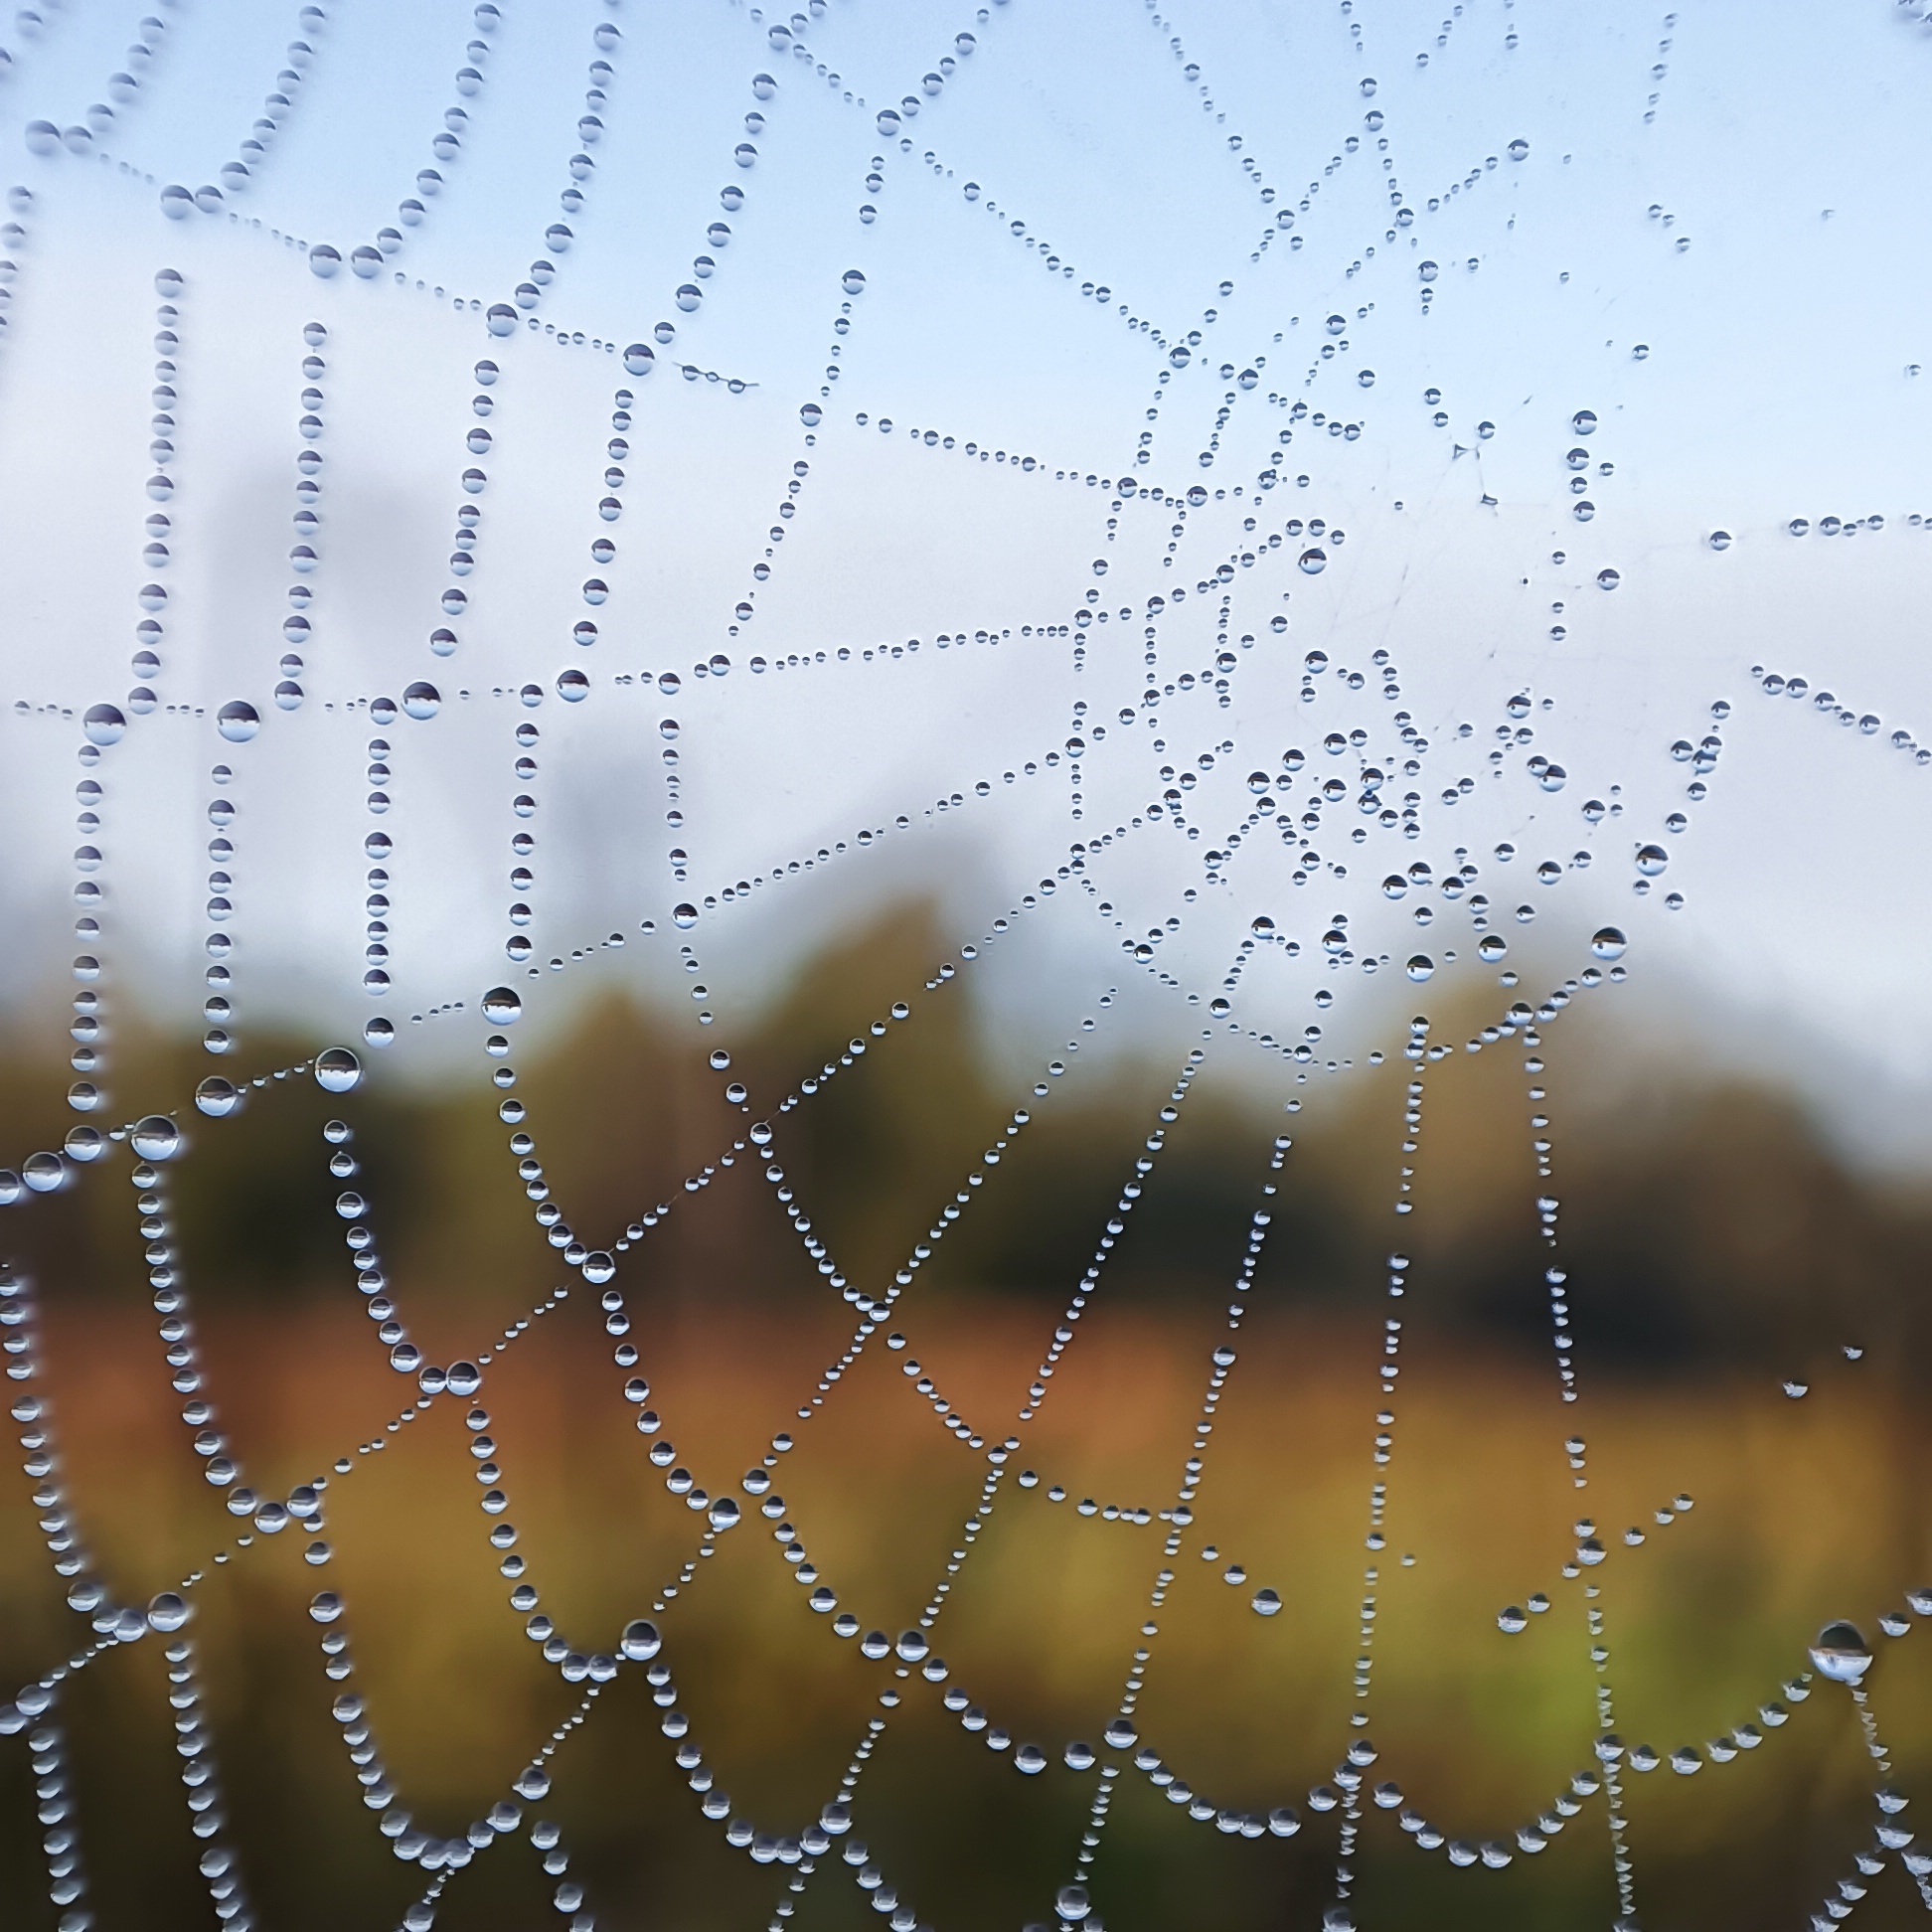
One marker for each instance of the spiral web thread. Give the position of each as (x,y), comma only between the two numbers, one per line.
(1195,656)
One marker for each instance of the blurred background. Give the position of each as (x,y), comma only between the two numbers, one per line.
(1133,567)
(1722,1246)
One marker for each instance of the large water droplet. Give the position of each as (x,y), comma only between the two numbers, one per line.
(155,1138)
(216,1096)
(167,1612)
(337,1070)
(45,1172)
(1842,1653)
(501,1005)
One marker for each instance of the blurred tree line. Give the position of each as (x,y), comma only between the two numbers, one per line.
(1705,1219)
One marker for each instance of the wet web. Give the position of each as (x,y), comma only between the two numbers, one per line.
(1274,776)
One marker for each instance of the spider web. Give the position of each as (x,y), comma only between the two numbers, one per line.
(1225,655)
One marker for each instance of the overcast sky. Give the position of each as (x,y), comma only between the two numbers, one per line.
(1703,233)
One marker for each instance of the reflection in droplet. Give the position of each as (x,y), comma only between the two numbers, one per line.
(216,1096)
(155,1138)
(337,1070)
(1841,1652)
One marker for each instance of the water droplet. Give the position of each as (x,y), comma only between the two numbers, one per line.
(167,1612)
(155,1138)
(45,1172)
(216,1096)
(238,721)
(1841,1652)
(337,1070)
(1608,943)
(501,1005)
